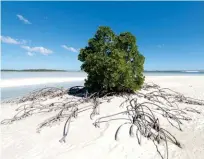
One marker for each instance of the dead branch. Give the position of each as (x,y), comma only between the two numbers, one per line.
(143,117)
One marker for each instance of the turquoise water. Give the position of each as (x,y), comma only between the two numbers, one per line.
(13,92)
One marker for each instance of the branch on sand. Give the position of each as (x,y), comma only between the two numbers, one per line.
(143,118)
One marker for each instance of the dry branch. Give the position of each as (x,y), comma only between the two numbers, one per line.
(143,117)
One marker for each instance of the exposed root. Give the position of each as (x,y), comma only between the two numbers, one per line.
(143,117)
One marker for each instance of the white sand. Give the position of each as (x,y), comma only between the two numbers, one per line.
(35,81)
(20,140)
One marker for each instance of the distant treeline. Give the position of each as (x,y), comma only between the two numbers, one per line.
(52,70)
(34,70)
(175,71)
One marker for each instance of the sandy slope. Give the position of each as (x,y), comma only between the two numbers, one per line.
(20,140)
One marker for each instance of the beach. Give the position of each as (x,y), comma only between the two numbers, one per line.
(36,81)
(20,140)
(122,82)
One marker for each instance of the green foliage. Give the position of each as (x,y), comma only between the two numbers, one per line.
(112,62)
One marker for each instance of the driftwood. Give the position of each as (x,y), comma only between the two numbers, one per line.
(143,118)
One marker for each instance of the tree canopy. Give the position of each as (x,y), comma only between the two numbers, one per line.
(112,62)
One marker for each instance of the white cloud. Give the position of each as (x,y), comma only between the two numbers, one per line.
(20,17)
(30,53)
(23,41)
(9,40)
(160,45)
(40,49)
(70,48)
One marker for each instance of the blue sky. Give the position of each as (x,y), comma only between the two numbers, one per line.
(49,34)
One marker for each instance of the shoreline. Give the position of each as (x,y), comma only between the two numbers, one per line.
(31,81)
(8,83)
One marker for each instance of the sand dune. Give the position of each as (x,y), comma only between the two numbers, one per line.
(20,140)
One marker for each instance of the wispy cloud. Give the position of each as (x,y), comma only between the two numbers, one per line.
(70,48)
(45,17)
(9,40)
(197,53)
(160,45)
(40,49)
(20,17)
(30,53)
